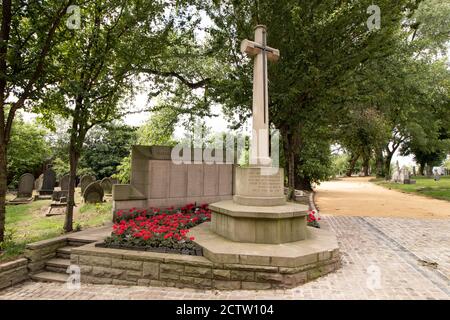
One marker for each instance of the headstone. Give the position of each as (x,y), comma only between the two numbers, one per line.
(38,182)
(48,182)
(85,181)
(62,191)
(106,184)
(25,192)
(64,183)
(93,193)
(26,184)
(414,170)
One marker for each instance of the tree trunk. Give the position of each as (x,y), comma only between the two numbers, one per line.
(302,183)
(366,167)
(421,169)
(379,163)
(429,170)
(3,186)
(387,165)
(352,164)
(74,156)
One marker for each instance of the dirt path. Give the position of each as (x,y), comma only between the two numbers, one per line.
(357,196)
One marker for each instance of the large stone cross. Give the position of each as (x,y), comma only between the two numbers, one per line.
(259,154)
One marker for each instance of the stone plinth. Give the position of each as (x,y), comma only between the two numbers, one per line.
(225,265)
(259,186)
(275,224)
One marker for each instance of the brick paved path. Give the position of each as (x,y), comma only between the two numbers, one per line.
(412,257)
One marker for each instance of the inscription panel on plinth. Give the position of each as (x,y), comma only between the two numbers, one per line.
(252,182)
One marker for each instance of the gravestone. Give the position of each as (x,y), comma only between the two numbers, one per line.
(25,191)
(106,184)
(38,182)
(62,190)
(26,184)
(64,183)
(48,182)
(85,181)
(93,193)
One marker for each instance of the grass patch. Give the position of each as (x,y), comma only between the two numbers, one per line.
(27,223)
(424,186)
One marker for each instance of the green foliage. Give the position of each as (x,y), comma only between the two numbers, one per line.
(61,167)
(159,129)
(123,170)
(28,150)
(315,161)
(339,164)
(105,147)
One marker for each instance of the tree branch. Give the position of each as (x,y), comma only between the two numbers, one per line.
(192,85)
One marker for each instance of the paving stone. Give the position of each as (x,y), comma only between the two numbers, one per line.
(392,246)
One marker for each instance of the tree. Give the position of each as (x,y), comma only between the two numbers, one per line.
(361,132)
(98,67)
(28,149)
(105,147)
(159,128)
(28,34)
(324,45)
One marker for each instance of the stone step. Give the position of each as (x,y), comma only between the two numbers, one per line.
(64,252)
(57,265)
(46,276)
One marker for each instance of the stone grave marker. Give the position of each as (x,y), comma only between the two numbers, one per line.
(48,182)
(64,183)
(93,193)
(25,192)
(106,184)
(62,190)
(38,183)
(85,181)
(26,184)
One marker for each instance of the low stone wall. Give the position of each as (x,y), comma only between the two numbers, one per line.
(13,272)
(128,267)
(38,253)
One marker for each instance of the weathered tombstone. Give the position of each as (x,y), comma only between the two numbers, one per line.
(63,189)
(25,192)
(38,183)
(106,184)
(64,183)
(93,193)
(48,183)
(85,181)
(26,183)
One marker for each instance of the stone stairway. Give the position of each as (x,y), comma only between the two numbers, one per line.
(55,269)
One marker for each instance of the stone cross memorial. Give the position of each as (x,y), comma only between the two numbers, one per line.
(259,212)
(259,50)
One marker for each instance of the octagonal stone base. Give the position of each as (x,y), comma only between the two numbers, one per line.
(272,225)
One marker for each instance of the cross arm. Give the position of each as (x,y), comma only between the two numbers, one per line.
(252,48)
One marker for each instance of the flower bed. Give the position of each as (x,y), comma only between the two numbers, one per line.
(313,219)
(158,230)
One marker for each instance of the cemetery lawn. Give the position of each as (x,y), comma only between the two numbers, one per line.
(424,186)
(27,223)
